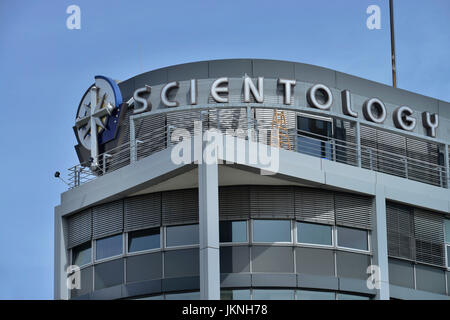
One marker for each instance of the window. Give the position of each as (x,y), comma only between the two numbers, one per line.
(182,235)
(157,297)
(312,233)
(143,240)
(315,295)
(109,247)
(233,231)
(263,294)
(352,238)
(447,240)
(183,296)
(343,296)
(108,274)
(81,255)
(448,256)
(235,294)
(313,137)
(272,230)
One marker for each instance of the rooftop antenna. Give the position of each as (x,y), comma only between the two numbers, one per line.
(391,14)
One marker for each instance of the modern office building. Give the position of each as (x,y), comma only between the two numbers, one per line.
(255,179)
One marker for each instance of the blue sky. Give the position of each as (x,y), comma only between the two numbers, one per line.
(45,69)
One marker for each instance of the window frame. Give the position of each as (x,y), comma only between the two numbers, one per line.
(110,257)
(446,243)
(282,243)
(184,246)
(92,255)
(236,243)
(314,245)
(368,238)
(133,253)
(447,257)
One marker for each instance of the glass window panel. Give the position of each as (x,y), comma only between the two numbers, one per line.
(233,231)
(183,296)
(313,233)
(109,247)
(315,295)
(263,294)
(182,235)
(344,296)
(272,230)
(235,294)
(448,257)
(159,297)
(352,238)
(447,230)
(81,254)
(143,240)
(108,274)
(312,139)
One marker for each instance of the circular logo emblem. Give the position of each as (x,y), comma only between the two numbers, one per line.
(98,114)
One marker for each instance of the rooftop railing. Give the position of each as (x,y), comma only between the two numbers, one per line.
(315,145)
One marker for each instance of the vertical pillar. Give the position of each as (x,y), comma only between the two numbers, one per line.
(447,167)
(61,291)
(208,197)
(358,143)
(381,253)
(133,151)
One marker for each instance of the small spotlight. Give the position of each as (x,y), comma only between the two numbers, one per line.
(58,176)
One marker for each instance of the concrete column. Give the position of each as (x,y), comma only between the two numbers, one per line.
(133,145)
(358,143)
(61,292)
(381,258)
(208,197)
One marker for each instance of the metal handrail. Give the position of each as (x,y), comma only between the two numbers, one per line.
(337,150)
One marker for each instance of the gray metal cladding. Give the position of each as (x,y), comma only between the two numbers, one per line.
(79,228)
(400,231)
(429,232)
(353,210)
(107,219)
(234,203)
(272,202)
(142,212)
(314,205)
(180,207)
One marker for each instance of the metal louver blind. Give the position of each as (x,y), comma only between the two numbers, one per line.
(180,207)
(184,119)
(234,203)
(420,151)
(345,134)
(429,231)
(353,210)
(107,219)
(368,147)
(400,231)
(79,228)
(392,149)
(272,202)
(142,212)
(314,205)
(151,132)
